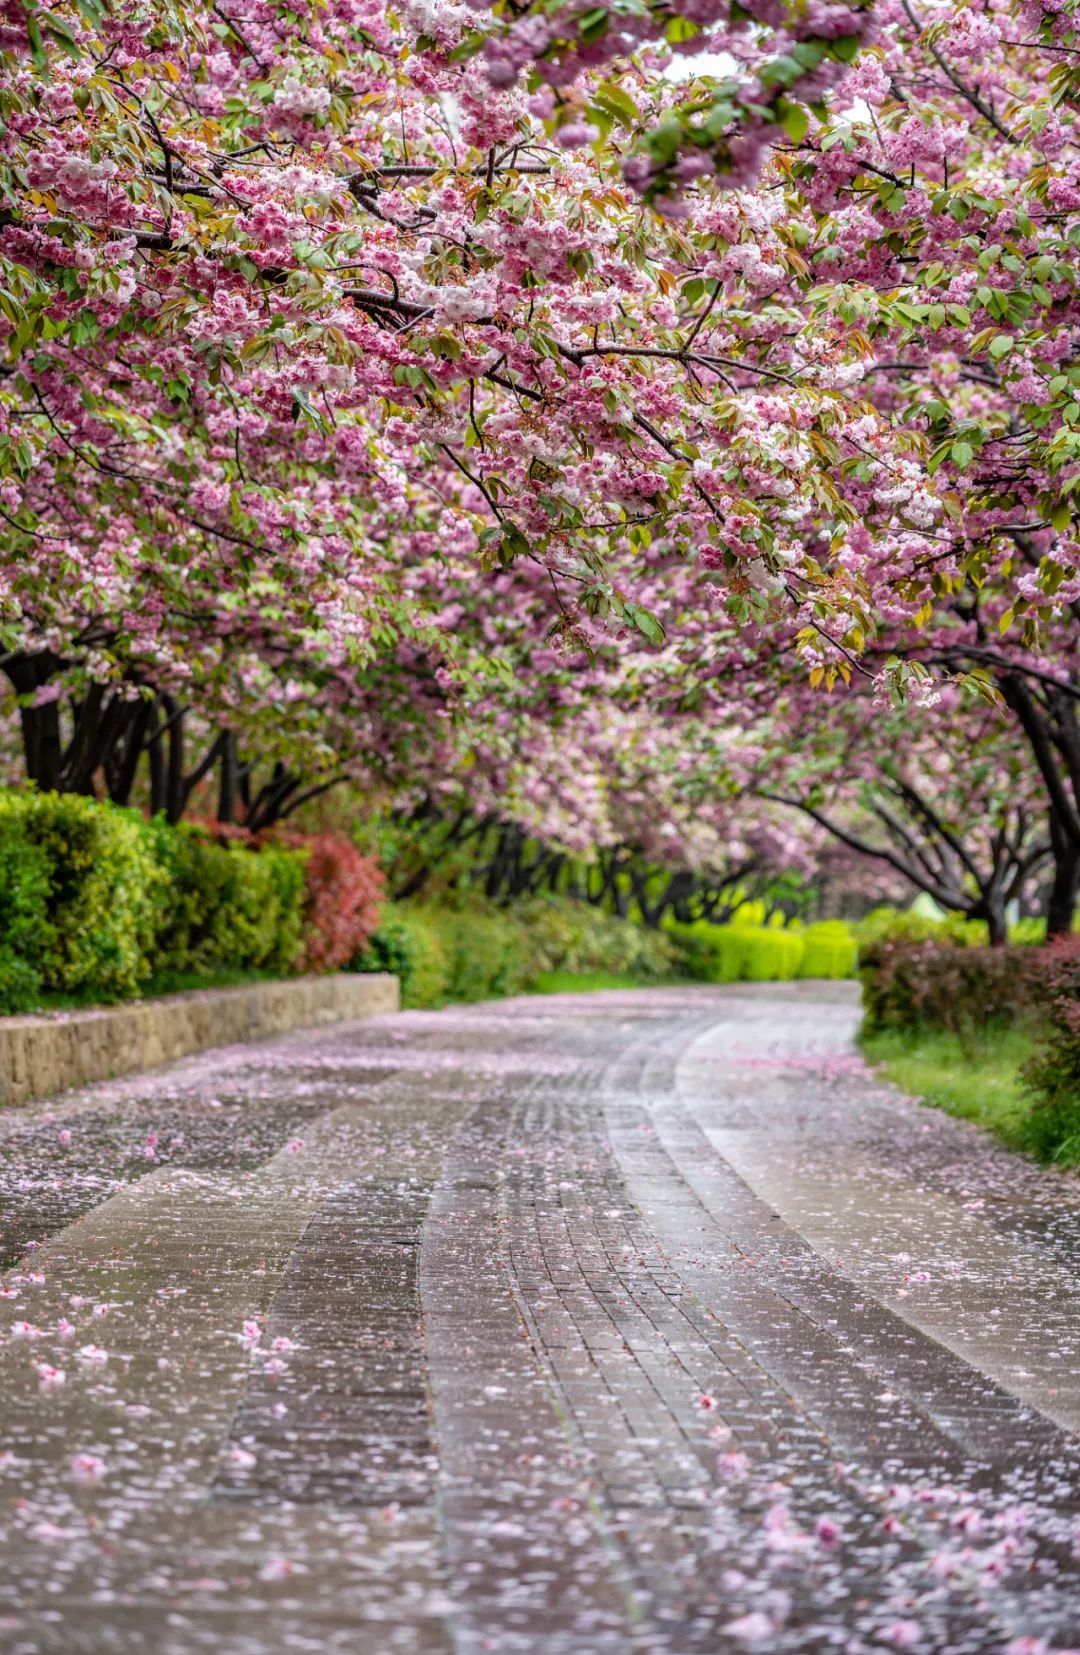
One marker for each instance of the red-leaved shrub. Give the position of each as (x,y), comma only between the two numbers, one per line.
(344,889)
(1052,1074)
(940,985)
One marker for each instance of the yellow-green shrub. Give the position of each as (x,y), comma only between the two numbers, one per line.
(829,950)
(740,952)
(773,955)
(710,953)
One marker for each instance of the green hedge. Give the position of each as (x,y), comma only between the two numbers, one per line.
(228,908)
(24,891)
(474,953)
(738,953)
(104,890)
(829,950)
(96,902)
(741,953)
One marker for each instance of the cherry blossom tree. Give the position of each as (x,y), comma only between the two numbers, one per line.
(951,804)
(321,323)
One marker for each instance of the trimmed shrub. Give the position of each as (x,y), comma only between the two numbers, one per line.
(739,953)
(904,925)
(829,950)
(486,954)
(710,953)
(104,891)
(95,901)
(773,955)
(407,942)
(563,935)
(226,905)
(24,895)
(947,985)
(342,895)
(475,953)
(1052,1075)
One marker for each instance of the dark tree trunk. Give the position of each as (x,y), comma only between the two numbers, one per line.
(228,796)
(994,915)
(122,761)
(42,746)
(175,791)
(156,753)
(1061,893)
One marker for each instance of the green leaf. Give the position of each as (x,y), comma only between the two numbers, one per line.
(846,47)
(678,29)
(1000,345)
(794,120)
(469,47)
(646,622)
(302,404)
(514,544)
(809,53)
(782,71)
(612,98)
(592,25)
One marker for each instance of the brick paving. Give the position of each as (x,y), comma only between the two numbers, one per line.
(624,1322)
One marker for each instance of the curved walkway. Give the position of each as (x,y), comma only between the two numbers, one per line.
(606,1323)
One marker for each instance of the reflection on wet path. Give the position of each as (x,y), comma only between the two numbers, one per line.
(623,1322)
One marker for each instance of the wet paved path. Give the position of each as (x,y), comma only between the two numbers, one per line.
(622,1322)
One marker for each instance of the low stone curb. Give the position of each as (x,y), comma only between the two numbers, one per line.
(47,1053)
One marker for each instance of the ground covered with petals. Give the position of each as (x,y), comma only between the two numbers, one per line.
(639,1320)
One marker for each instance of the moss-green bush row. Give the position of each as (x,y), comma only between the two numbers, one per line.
(475,954)
(741,953)
(95,902)
(907,925)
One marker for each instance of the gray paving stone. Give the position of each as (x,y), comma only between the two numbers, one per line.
(590,1338)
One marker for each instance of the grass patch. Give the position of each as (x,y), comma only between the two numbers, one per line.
(581,982)
(166,982)
(180,982)
(976,1077)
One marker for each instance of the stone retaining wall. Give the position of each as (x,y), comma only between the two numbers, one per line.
(44,1054)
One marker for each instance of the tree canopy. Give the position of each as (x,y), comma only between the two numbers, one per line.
(532,402)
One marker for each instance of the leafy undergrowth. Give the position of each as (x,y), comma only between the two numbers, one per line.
(165,982)
(582,982)
(978,1078)
(179,982)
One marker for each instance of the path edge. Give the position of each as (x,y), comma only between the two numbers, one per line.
(48,1053)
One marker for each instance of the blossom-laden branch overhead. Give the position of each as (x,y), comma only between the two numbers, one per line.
(321,323)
